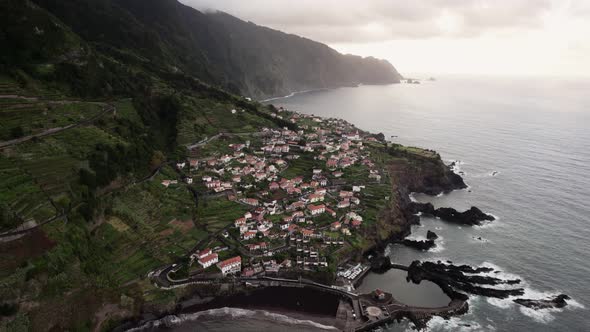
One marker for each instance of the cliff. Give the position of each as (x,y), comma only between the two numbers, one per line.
(411,170)
(124,37)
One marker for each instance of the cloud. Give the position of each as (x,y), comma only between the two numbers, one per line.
(341,21)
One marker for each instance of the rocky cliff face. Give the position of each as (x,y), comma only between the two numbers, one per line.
(217,48)
(412,173)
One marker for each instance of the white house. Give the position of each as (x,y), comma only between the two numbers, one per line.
(208,260)
(316,209)
(231,265)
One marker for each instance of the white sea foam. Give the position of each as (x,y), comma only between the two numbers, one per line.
(439,245)
(416,238)
(455,324)
(230,313)
(539,315)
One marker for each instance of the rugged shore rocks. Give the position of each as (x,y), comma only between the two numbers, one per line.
(431,235)
(422,244)
(471,217)
(455,278)
(557,302)
(419,244)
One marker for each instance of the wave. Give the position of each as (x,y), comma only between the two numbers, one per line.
(538,315)
(439,245)
(231,313)
(489,223)
(456,168)
(456,324)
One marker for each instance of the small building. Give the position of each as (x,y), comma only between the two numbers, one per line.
(335,226)
(249,235)
(316,198)
(316,209)
(208,260)
(379,294)
(231,265)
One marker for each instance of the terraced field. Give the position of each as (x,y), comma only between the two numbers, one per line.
(21,194)
(32,111)
(216,214)
(204,118)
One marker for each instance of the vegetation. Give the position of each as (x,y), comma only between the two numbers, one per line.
(121,88)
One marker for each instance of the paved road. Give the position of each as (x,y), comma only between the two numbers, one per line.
(53,131)
(207,140)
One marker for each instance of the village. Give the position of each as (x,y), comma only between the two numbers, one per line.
(302,190)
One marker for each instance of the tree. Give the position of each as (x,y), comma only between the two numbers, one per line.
(157,159)
(17,132)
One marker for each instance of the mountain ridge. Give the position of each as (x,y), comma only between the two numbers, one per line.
(217,48)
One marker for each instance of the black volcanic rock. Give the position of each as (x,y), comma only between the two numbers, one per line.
(380,137)
(426,208)
(556,302)
(431,235)
(380,263)
(420,245)
(473,216)
(453,279)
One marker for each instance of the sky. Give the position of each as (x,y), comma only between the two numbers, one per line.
(430,37)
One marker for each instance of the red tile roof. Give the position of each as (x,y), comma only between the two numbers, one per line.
(230,261)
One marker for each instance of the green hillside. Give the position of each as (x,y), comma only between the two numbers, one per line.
(83,43)
(98,99)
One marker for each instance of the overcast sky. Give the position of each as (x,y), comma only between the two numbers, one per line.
(492,37)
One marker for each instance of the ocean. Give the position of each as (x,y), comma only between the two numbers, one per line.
(523,147)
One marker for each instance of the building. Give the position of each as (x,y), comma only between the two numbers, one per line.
(379,294)
(213,184)
(316,209)
(249,235)
(250,201)
(335,226)
(208,260)
(231,265)
(240,222)
(316,198)
(194,163)
(204,253)
(343,204)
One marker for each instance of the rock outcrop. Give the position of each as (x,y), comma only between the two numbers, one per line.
(419,244)
(453,279)
(431,235)
(473,216)
(558,301)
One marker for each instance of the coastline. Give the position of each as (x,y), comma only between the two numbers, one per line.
(423,173)
(398,214)
(294,93)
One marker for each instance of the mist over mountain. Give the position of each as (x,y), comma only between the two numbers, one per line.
(169,37)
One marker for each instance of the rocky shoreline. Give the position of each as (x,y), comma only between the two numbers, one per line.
(421,175)
(472,217)
(456,281)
